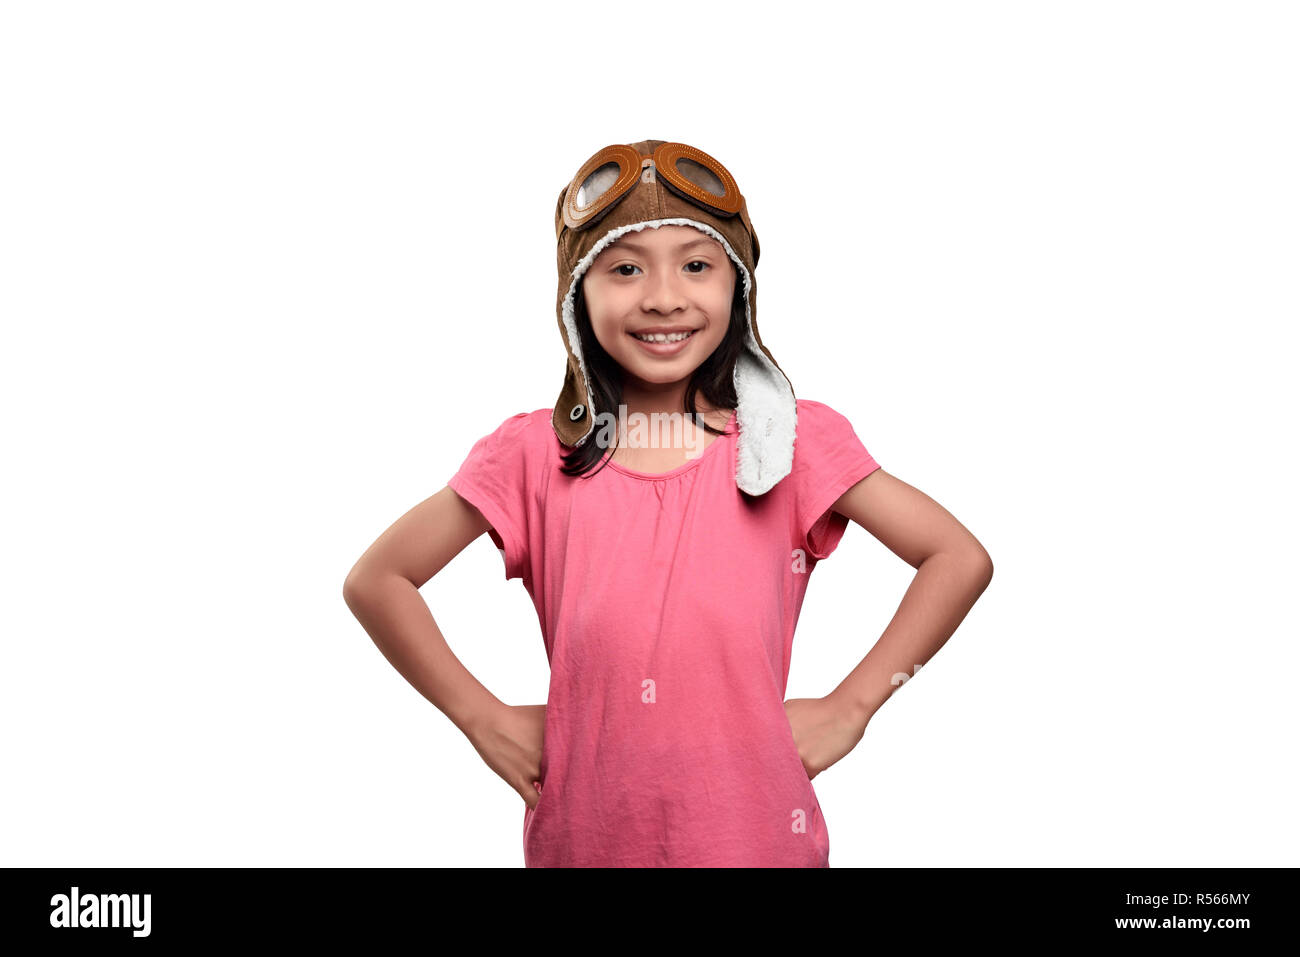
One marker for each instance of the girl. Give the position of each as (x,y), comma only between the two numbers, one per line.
(664,516)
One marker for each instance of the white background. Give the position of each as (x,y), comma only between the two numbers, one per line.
(269,269)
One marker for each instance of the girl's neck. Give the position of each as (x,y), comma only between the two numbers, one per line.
(670,399)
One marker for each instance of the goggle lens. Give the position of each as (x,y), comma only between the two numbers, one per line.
(596,185)
(701,176)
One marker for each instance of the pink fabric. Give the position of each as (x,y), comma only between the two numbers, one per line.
(668,606)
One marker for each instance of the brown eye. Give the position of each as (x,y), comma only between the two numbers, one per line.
(618,269)
(697,263)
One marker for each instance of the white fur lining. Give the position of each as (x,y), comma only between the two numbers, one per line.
(765,410)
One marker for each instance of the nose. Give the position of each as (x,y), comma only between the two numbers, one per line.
(663,292)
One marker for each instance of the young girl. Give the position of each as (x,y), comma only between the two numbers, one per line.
(665,516)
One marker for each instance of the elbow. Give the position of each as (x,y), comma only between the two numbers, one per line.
(368,585)
(354,588)
(981,568)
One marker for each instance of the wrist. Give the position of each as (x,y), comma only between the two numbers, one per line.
(473,719)
(853,709)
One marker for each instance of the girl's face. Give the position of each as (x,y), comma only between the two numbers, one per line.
(667,279)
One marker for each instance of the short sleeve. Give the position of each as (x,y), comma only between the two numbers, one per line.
(495,479)
(829,459)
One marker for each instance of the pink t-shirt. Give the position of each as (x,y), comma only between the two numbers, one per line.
(668,606)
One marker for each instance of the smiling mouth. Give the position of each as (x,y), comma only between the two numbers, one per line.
(664,337)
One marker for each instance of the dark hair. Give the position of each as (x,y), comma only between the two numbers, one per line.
(714,379)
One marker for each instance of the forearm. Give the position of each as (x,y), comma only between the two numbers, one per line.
(944,589)
(398,620)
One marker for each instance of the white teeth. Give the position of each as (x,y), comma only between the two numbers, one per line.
(661,337)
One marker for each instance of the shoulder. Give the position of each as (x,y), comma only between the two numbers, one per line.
(523,426)
(825,440)
(815,419)
(812,407)
(512,442)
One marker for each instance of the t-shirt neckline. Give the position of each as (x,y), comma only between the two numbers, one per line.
(686,466)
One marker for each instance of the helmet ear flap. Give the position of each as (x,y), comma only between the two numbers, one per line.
(753,235)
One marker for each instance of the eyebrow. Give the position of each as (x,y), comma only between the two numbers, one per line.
(690,245)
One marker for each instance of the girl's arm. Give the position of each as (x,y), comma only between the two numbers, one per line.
(953,569)
(382,590)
